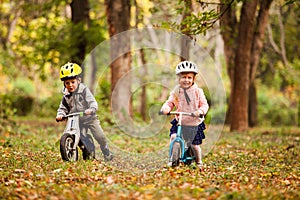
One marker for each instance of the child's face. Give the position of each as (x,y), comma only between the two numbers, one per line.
(71,84)
(186,80)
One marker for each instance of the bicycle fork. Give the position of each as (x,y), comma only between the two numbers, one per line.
(73,129)
(180,141)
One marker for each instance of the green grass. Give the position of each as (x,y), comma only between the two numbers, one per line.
(259,164)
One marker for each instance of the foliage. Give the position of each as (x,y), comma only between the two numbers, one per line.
(20,100)
(6,111)
(23,86)
(36,40)
(259,164)
(272,71)
(216,115)
(276,111)
(12,104)
(46,107)
(287,2)
(198,22)
(102,96)
(40,37)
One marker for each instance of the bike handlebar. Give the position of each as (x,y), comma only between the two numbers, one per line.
(70,115)
(74,114)
(182,113)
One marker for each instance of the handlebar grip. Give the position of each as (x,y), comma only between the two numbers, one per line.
(161,113)
(64,118)
(200,116)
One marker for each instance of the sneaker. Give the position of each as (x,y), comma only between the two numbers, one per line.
(169,164)
(199,165)
(108,157)
(87,155)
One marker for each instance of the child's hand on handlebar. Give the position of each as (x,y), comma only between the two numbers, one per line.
(198,113)
(165,110)
(89,111)
(59,118)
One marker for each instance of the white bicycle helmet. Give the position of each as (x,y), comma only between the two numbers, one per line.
(186,66)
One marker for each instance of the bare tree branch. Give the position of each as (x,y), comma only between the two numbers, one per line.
(271,40)
(282,38)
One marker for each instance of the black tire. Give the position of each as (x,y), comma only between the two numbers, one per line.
(88,149)
(176,153)
(189,153)
(66,151)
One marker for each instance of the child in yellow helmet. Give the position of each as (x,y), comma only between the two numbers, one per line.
(78,98)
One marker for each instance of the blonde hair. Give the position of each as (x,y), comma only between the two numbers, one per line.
(175,91)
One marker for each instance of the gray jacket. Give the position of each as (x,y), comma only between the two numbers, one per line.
(78,101)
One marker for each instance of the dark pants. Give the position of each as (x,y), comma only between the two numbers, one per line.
(96,129)
(197,135)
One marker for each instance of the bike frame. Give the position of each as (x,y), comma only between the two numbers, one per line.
(72,126)
(179,137)
(76,135)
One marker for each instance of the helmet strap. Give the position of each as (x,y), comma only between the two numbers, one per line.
(187,98)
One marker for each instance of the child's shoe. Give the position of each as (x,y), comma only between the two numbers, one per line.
(199,164)
(109,156)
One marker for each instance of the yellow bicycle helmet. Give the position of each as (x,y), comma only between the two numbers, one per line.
(69,70)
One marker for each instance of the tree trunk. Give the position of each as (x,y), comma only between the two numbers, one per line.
(298,113)
(253,103)
(257,46)
(143,106)
(228,24)
(93,73)
(242,67)
(185,41)
(118,17)
(80,17)
(144,71)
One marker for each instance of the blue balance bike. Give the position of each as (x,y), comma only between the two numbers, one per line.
(180,149)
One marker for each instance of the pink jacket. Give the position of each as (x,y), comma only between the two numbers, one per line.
(198,103)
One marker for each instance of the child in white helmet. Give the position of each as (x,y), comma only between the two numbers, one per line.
(78,98)
(188,97)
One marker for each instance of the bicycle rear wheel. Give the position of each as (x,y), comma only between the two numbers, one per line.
(175,154)
(189,155)
(87,146)
(66,147)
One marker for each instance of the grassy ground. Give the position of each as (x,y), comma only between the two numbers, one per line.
(260,164)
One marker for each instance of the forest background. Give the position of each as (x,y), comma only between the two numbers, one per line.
(253,46)
(37,37)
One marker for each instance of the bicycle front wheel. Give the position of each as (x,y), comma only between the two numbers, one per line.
(175,154)
(66,147)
